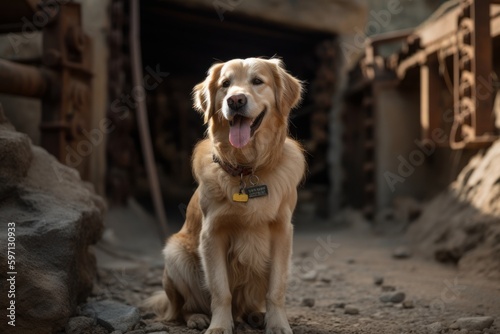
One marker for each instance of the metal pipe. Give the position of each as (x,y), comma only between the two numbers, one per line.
(23,80)
(142,119)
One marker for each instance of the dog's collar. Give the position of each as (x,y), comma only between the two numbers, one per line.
(233,170)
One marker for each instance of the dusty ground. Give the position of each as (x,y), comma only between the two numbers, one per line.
(334,270)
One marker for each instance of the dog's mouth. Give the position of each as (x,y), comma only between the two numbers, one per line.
(242,129)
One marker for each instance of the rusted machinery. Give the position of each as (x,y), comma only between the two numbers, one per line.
(450,59)
(63,80)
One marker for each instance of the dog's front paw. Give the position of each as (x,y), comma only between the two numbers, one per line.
(279,330)
(198,321)
(219,331)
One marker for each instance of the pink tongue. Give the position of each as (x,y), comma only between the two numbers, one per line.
(239,131)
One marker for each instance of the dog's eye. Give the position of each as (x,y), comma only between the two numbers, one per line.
(257,81)
(226,83)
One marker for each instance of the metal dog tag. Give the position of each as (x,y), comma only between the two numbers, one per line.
(240,197)
(257,191)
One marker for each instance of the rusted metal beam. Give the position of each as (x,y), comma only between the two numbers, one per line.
(430,90)
(66,51)
(482,66)
(24,80)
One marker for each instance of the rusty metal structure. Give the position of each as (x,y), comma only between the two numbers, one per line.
(62,81)
(450,61)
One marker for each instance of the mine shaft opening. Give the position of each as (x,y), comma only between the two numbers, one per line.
(185,42)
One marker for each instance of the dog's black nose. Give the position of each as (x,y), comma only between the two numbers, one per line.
(235,102)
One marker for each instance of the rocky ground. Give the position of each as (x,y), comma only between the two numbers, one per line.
(342,282)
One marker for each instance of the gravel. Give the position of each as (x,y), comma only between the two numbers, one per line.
(79,325)
(474,323)
(119,316)
(396,297)
(309,302)
(378,280)
(401,253)
(351,310)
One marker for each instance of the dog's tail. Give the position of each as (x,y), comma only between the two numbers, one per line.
(159,304)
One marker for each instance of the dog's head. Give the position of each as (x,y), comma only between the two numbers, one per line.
(246,99)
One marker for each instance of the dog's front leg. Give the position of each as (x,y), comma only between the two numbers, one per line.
(213,251)
(281,251)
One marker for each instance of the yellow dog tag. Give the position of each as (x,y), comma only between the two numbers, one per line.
(240,197)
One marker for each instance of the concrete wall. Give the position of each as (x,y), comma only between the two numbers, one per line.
(401,168)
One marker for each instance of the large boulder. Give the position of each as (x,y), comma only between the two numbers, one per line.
(53,218)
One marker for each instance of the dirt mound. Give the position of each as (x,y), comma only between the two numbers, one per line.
(462,224)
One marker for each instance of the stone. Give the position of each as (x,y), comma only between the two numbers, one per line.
(339,305)
(474,323)
(378,280)
(309,276)
(435,328)
(162,332)
(57,217)
(120,316)
(408,304)
(351,310)
(309,302)
(155,327)
(326,279)
(396,297)
(401,253)
(79,325)
(138,331)
(388,288)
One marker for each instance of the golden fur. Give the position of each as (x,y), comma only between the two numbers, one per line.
(231,259)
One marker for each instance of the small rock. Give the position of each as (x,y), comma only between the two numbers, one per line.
(351,310)
(435,327)
(138,331)
(155,327)
(309,302)
(474,323)
(401,253)
(454,326)
(339,305)
(351,261)
(79,325)
(117,332)
(378,280)
(310,276)
(388,288)
(162,332)
(326,280)
(396,297)
(120,316)
(149,315)
(408,304)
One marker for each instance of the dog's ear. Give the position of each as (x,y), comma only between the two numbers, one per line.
(288,89)
(204,93)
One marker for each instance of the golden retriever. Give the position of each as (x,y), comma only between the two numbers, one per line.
(232,256)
